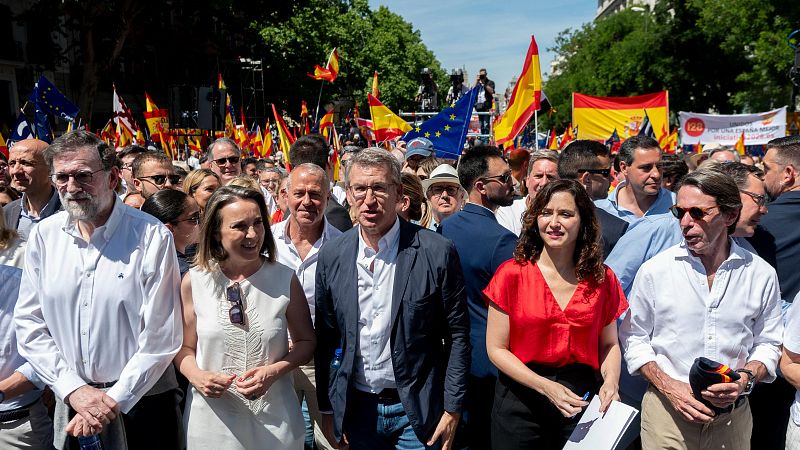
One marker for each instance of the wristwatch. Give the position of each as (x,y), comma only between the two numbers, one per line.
(751,380)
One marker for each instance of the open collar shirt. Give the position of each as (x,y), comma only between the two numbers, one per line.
(27,220)
(305,269)
(376,272)
(662,204)
(674,317)
(102,310)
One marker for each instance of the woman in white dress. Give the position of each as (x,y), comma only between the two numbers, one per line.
(237,306)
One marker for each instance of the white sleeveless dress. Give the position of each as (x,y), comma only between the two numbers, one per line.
(232,422)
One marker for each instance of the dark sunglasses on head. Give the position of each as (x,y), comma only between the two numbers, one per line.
(695,212)
(229,159)
(604,172)
(159,180)
(236,313)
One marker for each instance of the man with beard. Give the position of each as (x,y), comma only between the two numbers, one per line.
(482,245)
(298,241)
(98,315)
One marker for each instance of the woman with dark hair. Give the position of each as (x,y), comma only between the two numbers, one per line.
(7,195)
(181,215)
(552,323)
(237,305)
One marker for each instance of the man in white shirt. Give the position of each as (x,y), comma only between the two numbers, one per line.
(703,297)
(298,241)
(391,323)
(98,315)
(542,169)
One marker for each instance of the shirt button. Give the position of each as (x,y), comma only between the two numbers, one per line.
(710,309)
(88,275)
(710,338)
(86,304)
(84,361)
(83,332)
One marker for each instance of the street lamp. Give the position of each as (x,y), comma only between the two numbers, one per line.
(646,11)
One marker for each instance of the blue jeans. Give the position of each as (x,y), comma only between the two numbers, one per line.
(372,425)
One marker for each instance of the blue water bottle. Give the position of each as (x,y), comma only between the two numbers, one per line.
(337,359)
(90,442)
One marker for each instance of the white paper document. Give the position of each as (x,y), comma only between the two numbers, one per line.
(598,431)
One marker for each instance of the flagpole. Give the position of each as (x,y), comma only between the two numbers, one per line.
(319,100)
(536,130)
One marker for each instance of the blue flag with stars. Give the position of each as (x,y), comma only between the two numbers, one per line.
(448,129)
(50,101)
(22,130)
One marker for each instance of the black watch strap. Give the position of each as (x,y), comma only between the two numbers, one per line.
(751,380)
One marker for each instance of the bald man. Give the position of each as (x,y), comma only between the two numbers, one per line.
(31,176)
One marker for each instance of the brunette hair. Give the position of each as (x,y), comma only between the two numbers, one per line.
(588,256)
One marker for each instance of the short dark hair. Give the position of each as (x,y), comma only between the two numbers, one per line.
(588,255)
(166,205)
(718,185)
(740,173)
(146,157)
(248,161)
(475,164)
(132,149)
(517,158)
(310,148)
(629,146)
(787,150)
(75,140)
(673,167)
(209,249)
(578,156)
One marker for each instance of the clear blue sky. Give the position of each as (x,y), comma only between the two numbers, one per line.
(493,33)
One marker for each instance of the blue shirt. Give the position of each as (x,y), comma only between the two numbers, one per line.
(662,204)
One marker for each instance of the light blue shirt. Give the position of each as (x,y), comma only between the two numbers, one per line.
(661,206)
(10,360)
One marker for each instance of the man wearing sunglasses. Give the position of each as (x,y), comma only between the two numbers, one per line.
(705,297)
(153,172)
(482,244)
(224,156)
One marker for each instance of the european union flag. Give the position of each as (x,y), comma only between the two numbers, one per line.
(22,130)
(48,99)
(448,129)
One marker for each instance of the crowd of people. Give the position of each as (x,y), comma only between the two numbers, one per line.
(229,302)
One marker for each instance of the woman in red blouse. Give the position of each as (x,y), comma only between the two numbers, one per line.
(552,323)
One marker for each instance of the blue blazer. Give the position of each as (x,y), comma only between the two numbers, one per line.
(482,244)
(429,336)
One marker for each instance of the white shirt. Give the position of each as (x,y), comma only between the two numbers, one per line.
(339,193)
(675,318)
(510,217)
(306,270)
(791,340)
(272,205)
(10,360)
(373,362)
(104,310)
(14,255)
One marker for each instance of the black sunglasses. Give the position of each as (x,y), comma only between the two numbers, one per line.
(159,180)
(229,159)
(606,173)
(695,212)
(236,313)
(504,178)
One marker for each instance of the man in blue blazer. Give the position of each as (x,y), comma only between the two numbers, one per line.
(482,244)
(391,322)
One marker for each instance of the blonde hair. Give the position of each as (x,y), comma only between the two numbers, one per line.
(195,178)
(245,182)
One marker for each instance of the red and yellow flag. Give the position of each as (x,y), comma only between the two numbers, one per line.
(569,136)
(155,118)
(385,124)
(331,71)
(268,146)
(336,163)
(325,123)
(4,146)
(552,142)
(303,110)
(285,139)
(375,91)
(671,143)
(524,101)
(740,145)
(597,117)
(257,143)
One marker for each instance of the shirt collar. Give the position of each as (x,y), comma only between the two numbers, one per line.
(280,231)
(49,208)
(737,252)
(107,229)
(388,241)
(663,202)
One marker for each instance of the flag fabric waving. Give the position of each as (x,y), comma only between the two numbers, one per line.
(3,146)
(671,142)
(330,72)
(268,146)
(285,139)
(646,127)
(740,145)
(448,129)
(22,130)
(51,101)
(524,101)
(155,118)
(386,124)
(552,141)
(596,117)
(123,115)
(569,136)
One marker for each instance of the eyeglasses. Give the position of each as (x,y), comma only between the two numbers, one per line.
(195,219)
(606,173)
(760,199)
(695,212)
(437,191)
(160,180)
(228,160)
(83,177)
(379,190)
(504,178)
(236,313)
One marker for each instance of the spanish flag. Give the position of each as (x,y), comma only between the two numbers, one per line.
(552,142)
(385,123)
(569,136)
(525,99)
(325,123)
(155,118)
(740,144)
(671,143)
(4,147)
(285,139)
(268,145)
(330,72)
(597,117)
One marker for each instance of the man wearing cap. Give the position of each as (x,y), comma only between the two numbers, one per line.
(417,150)
(482,244)
(705,297)
(444,193)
